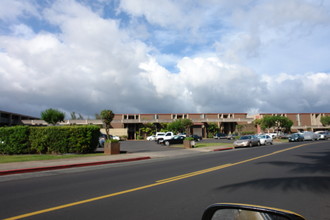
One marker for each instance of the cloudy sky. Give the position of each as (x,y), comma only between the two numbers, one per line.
(164,56)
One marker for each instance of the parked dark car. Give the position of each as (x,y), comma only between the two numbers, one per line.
(196,137)
(220,136)
(174,140)
(232,136)
(296,137)
(103,137)
(284,136)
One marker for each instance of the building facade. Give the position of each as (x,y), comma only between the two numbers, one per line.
(129,124)
(10,118)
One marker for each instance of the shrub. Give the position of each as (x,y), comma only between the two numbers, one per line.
(60,139)
(14,140)
(189,139)
(247,132)
(123,137)
(209,135)
(112,141)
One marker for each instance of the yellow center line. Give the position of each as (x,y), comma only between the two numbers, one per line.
(157,183)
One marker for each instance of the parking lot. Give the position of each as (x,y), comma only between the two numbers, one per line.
(134,146)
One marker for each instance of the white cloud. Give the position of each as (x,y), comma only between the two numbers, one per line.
(165,13)
(12,9)
(92,63)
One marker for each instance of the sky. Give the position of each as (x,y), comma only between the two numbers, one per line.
(164,56)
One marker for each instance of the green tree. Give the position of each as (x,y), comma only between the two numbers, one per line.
(97,116)
(180,126)
(107,117)
(147,129)
(75,117)
(239,128)
(212,128)
(325,120)
(187,123)
(52,116)
(279,123)
(175,126)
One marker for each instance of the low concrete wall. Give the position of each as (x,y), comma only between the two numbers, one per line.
(116,131)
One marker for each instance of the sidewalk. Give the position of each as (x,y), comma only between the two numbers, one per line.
(43,165)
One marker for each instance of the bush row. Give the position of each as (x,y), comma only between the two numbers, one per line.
(54,139)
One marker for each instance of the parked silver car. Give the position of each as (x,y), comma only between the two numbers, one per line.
(265,139)
(247,141)
(310,136)
(323,135)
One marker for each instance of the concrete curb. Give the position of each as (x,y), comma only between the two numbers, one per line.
(221,149)
(58,167)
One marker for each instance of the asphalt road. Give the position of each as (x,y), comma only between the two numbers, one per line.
(286,176)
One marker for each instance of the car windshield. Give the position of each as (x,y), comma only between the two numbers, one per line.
(245,137)
(262,136)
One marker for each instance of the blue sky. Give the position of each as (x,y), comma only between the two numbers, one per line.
(164,56)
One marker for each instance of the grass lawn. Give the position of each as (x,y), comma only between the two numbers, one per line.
(32,157)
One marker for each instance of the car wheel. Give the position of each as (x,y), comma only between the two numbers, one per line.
(271,143)
(167,143)
(250,144)
(259,143)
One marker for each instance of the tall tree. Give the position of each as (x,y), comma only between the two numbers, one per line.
(279,123)
(107,117)
(187,123)
(73,116)
(147,129)
(325,120)
(52,116)
(180,126)
(212,128)
(98,116)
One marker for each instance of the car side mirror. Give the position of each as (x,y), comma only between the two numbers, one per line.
(232,211)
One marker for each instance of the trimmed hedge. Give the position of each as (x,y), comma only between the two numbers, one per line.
(14,140)
(53,139)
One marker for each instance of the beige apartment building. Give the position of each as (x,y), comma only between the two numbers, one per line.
(129,124)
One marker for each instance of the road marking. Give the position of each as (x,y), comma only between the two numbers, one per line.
(175,178)
(157,183)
